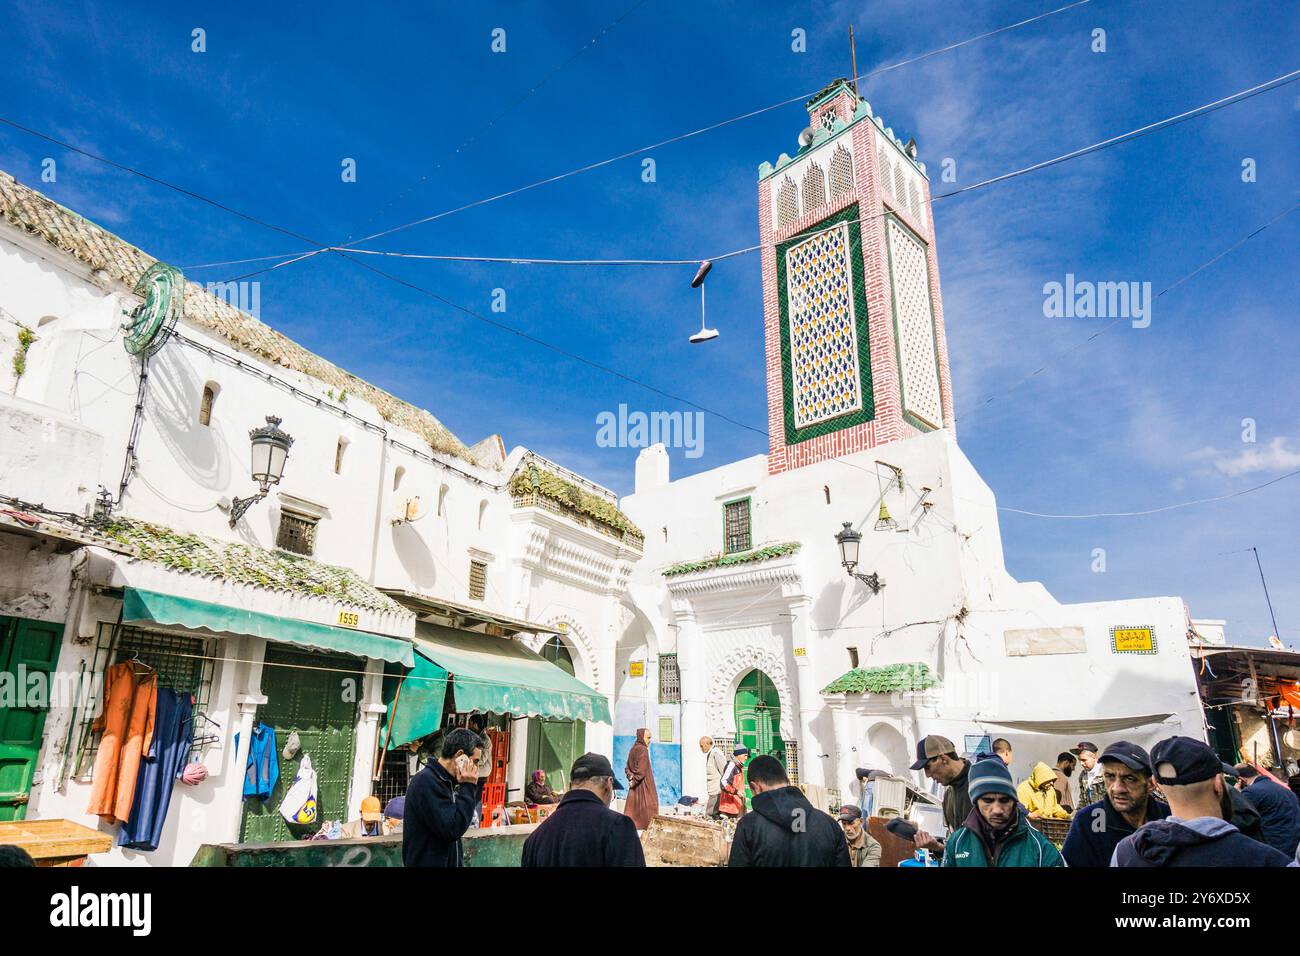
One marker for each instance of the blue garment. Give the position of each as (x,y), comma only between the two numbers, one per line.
(170,748)
(1098,828)
(263,767)
(1279,813)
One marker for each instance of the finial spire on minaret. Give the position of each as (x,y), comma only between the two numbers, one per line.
(853,58)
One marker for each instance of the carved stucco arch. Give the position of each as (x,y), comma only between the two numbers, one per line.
(725,680)
(580,646)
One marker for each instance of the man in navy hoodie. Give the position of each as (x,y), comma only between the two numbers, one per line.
(1279,809)
(1129,803)
(440,802)
(1198,833)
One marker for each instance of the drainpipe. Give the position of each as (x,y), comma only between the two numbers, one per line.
(379,508)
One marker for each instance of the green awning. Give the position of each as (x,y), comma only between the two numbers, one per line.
(414,702)
(139,606)
(503,676)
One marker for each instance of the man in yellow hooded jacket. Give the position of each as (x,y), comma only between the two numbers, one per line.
(1038,794)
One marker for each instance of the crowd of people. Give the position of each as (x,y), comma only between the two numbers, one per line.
(1179,805)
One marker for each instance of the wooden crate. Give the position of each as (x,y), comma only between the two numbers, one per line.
(55,842)
(685,841)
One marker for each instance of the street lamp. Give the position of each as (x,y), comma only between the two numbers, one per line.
(850,542)
(270,450)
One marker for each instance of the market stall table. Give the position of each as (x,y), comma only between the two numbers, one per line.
(54,842)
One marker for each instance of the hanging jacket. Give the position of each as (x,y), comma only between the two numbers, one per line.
(784,829)
(1024,847)
(130,701)
(1038,793)
(262,769)
(173,730)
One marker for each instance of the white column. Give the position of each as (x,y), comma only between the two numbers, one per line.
(516,771)
(812,766)
(695,683)
(234,783)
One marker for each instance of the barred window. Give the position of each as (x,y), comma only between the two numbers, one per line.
(477,580)
(787,203)
(814,188)
(670,680)
(841,171)
(297,533)
(736,526)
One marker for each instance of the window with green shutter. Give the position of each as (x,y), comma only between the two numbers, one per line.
(737,535)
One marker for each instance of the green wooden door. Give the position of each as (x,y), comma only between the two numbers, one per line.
(553,745)
(321,705)
(758,718)
(27,648)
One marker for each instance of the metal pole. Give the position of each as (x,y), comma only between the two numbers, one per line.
(1266,597)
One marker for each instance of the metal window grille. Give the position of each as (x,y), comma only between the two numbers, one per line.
(787,203)
(394,776)
(297,533)
(477,580)
(792,760)
(670,680)
(841,171)
(183,663)
(736,520)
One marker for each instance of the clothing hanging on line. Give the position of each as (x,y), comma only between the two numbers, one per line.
(173,731)
(262,769)
(126,726)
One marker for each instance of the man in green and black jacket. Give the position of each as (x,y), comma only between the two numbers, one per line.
(996,832)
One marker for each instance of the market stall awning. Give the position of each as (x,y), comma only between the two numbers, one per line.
(503,676)
(1084,725)
(414,700)
(142,607)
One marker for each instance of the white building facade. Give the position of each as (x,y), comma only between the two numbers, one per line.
(743,584)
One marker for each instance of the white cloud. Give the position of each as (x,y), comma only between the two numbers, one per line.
(1273,457)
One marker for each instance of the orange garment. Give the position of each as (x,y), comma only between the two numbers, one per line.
(130,702)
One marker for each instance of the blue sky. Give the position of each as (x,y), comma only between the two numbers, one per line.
(1137,419)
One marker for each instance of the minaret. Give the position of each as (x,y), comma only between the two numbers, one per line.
(856,352)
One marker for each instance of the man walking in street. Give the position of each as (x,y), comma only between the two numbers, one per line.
(582,830)
(1279,808)
(1197,833)
(784,829)
(714,764)
(996,832)
(731,802)
(1092,786)
(937,756)
(1129,803)
(440,803)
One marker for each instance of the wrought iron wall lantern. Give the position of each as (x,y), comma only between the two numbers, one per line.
(850,542)
(270,450)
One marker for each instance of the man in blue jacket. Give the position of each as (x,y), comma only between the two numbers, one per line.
(1129,802)
(440,802)
(582,830)
(1279,809)
(1197,833)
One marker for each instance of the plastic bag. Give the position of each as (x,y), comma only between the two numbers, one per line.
(299,804)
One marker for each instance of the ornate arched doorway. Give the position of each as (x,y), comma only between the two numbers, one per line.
(758,716)
(553,745)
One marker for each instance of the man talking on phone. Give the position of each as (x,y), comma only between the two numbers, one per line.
(440,802)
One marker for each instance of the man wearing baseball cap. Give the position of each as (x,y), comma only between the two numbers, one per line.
(1198,832)
(582,830)
(1092,786)
(1129,802)
(937,756)
(864,849)
(997,832)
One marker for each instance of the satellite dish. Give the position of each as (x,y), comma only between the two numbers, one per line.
(413,509)
(806,137)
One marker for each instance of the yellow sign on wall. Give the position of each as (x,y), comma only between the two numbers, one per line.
(636,669)
(1133,640)
(348,619)
(801,652)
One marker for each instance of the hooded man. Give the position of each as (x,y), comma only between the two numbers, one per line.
(784,829)
(996,832)
(1129,803)
(1038,793)
(937,756)
(1197,833)
(642,797)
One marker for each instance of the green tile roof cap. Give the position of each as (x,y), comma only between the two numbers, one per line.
(886,679)
(766,553)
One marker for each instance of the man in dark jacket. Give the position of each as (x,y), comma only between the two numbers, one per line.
(1243,814)
(784,829)
(997,833)
(937,756)
(1129,803)
(1279,809)
(582,830)
(440,802)
(1197,833)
